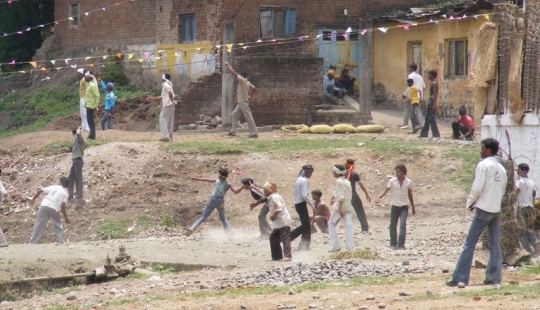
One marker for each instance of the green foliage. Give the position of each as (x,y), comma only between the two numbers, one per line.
(114,72)
(167,220)
(464,174)
(123,227)
(162,269)
(18,16)
(532,270)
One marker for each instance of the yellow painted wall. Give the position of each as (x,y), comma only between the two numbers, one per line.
(185,62)
(390,57)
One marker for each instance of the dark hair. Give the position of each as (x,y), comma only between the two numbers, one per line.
(247,181)
(410,81)
(0,171)
(308,168)
(491,144)
(413,66)
(64,181)
(344,70)
(168,76)
(244,74)
(316,192)
(332,67)
(433,73)
(224,172)
(350,161)
(522,167)
(462,111)
(402,168)
(74,131)
(340,167)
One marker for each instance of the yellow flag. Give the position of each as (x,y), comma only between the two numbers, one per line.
(22,72)
(33,63)
(140,60)
(86,59)
(229,47)
(486,16)
(43,69)
(130,56)
(91,65)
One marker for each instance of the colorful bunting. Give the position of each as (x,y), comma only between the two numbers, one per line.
(33,63)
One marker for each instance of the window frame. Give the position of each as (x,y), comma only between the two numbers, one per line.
(76,17)
(183,19)
(289,22)
(451,58)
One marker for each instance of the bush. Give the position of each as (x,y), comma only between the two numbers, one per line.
(114,72)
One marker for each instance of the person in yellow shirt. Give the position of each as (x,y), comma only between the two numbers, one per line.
(412,97)
(91,103)
(82,95)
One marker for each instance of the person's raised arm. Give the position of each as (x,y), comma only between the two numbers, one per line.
(231,69)
(236,190)
(203,180)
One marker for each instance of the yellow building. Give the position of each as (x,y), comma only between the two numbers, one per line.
(446,45)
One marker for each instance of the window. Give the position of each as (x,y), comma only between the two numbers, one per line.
(74,9)
(457,58)
(188,31)
(339,35)
(277,23)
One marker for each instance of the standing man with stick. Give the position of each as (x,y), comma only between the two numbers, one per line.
(245,91)
(91,103)
(486,195)
(166,117)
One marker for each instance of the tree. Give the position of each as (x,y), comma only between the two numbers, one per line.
(19,16)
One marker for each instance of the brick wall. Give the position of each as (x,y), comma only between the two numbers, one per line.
(203,97)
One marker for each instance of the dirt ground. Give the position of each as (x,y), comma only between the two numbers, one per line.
(129,175)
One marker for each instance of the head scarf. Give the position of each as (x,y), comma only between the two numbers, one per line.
(109,85)
(305,168)
(350,168)
(339,172)
(88,74)
(81,71)
(270,187)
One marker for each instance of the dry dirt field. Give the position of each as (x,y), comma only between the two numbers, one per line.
(133,184)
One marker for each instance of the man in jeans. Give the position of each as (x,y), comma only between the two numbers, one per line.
(245,91)
(301,200)
(75,174)
(486,194)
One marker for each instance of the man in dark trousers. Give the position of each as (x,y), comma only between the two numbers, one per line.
(301,200)
(432,108)
(75,174)
(257,193)
(356,202)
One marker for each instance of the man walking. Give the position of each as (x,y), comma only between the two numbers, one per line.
(486,194)
(356,202)
(432,108)
(341,209)
(75,174)
(166,117)
(418,82)
(82,94)
(51,206)
(301,200)
(245,91)
(91,103)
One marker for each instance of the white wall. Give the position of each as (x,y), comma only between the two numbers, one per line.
(524,139)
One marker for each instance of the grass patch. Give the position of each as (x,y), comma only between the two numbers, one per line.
(163,269)
(60,291)
(122,228)
(464,174)
(62,307)
(531,270)
(328,144)
(55,147)
(167,221)
(517,291)
(129,301)
(357,254)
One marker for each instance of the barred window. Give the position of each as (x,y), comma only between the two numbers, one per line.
(457,58)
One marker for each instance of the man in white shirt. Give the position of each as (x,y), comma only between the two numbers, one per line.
(166,117)
(487,191)
(418,81)
(301,200)
(281,224)
(51,206)
(341,209)
(525,212)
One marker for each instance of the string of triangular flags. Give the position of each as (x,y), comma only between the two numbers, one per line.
(259,43)
(57,22)
(8,1)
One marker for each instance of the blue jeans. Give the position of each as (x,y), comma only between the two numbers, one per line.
(212,204)
(493,269)
(398,213)
(107,117)
(527,238)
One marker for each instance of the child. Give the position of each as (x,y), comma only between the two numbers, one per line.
(412,97)
(257,193)
(3,241)
(402,195)
(322,213)
(221,186)
(281,224)
(110,102)
(341,209)
(525,212)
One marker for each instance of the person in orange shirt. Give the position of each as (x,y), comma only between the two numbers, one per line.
(463,127)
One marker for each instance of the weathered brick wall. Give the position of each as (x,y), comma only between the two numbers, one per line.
(286,90)
(128,23)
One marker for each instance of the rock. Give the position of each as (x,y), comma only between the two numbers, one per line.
(370,297)
(445,270)
(481,259)
(312,306)
(406,263)
(71,297)
(518,257)
(203,287)
(243,307)
(363,308)
(461,285)
(404,294)
(381,305)
(291,292)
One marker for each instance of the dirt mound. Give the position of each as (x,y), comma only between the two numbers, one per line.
(130,115)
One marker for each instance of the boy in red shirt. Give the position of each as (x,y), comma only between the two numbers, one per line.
(463,127)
